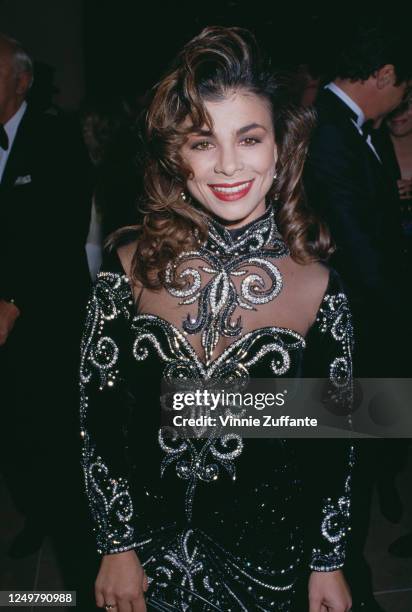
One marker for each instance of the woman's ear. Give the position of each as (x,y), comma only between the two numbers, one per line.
(385,76)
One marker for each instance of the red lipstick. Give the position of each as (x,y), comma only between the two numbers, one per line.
(228,192)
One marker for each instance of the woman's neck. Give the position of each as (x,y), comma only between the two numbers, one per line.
(403,143)
(257,213)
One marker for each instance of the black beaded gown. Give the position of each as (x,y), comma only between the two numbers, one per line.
(218,523)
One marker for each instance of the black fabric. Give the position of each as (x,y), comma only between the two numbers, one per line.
(45,196)
(367,129)
(4,139)
(356,195)
(250,519)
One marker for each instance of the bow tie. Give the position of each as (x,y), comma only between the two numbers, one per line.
(367,129)
(4,139)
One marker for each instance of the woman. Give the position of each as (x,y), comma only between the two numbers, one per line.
(215,285)
(400,129)
(108,135)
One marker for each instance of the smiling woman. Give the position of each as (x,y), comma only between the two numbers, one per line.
(221,283)
(237,163)
(220,118)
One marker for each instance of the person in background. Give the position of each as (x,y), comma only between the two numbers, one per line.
(310,84)
(400,130)
(353,191)
(394,142)
(109,135)
(45,195)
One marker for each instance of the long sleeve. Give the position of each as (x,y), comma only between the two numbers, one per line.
(329,462)
(104,411)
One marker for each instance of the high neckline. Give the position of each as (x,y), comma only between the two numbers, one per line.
(238,231)
(251,237)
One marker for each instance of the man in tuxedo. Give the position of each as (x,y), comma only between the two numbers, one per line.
(350,188)
(354,192)
(45,201)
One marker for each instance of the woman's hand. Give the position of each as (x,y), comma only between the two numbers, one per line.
(329,592)
(121,582)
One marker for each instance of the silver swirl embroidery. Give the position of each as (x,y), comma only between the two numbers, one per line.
(189,560)
(218,298)
(181,362)
(192,463)
(259,234)
(110,500)
(334,317)
(110,297)
(111,503)
(104,355)
(335,526)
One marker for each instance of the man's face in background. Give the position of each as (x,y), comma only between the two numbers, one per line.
(13,83)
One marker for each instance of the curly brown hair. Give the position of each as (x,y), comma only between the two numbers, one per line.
(213,65)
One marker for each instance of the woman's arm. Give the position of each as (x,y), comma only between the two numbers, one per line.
(104,413)
(330,462)
(105,406)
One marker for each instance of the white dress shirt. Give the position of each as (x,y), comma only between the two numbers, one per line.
(356,109)
(11,128)
(94,242)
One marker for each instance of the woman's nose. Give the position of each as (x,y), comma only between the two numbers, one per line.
(228,162)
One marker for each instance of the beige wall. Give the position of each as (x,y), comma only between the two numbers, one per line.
(52,31)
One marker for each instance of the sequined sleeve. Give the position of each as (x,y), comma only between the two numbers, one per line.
(332,468)
(104,412)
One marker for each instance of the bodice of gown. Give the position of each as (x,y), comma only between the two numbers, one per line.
(195,510)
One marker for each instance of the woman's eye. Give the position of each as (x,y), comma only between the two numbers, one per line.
(202,146)
(249,141)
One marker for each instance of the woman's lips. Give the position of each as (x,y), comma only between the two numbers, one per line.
(228,192)
(395,121)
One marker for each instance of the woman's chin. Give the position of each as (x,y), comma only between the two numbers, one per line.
(233,212)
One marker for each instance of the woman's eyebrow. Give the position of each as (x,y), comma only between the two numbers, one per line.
(250,126)
(242,130)
(202,133)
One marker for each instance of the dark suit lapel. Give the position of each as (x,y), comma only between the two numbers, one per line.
(17,161)
(346,117)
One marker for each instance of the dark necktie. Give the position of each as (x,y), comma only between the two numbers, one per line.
(4,139)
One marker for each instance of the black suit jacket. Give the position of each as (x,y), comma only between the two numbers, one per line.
(45,201)
(357,196)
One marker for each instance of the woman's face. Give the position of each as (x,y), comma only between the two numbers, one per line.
(233,166)
(400,124)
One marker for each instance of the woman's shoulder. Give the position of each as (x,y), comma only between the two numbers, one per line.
(314,285)
(317,278)
(125,254)
(116,271)
(312,277)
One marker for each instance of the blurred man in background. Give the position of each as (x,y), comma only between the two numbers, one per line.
(355,193)
(45,200)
